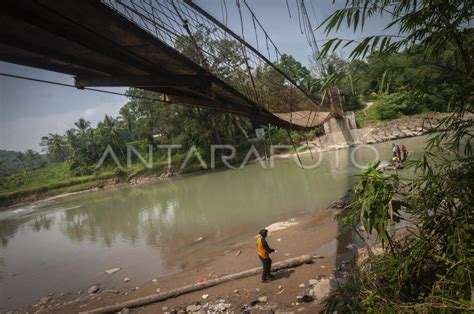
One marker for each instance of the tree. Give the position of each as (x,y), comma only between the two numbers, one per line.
(431,267)
(56,145)
(111,134)
(21,157)
(82,125)
(31,157)
(223,57)
(128,118)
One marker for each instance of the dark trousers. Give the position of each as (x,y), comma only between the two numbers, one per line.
(267,268)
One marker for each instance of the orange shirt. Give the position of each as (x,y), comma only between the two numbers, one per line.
(261,250)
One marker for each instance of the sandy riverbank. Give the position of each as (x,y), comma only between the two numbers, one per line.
(313,234)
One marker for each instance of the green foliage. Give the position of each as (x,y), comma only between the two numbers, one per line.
(443,25)
(11,161)
(80,169)
(282,96)
(429,267)
(57,146)
(297,71)
(387,107)
(144,122)
(280,137)
(49,180)
(408,102)
(351,103)
(405,70)
(432,266)
(373,201)
(382,109)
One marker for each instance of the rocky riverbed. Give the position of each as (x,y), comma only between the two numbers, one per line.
(401,128)
(382,131)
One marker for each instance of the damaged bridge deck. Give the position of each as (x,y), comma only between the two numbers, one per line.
(100,47)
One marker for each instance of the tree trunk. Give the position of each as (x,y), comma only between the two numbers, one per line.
(289,263)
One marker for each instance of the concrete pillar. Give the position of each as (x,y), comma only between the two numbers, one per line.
(346,123)
(338,131)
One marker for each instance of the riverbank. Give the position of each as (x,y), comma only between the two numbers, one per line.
(382,131)
(377,132)
(313,234)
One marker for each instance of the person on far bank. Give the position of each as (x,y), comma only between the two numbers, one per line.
(399,152)
(404,152)
(264,251)
(394,150)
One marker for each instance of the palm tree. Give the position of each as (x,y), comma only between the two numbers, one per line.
(21,157)
(128,118)
(82,125)
(56,145)
(71,136)
(81,142)
(31,156)
(71,139)
(111,132)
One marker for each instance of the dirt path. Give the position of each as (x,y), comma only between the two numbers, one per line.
(369,104)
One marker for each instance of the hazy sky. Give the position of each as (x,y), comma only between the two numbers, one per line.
(30,110)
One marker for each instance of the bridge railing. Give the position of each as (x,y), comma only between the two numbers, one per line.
(187,28)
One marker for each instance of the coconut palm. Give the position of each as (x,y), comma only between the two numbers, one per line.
(21,157)
(31,156)
(82,125)
(110,130)
(57,146)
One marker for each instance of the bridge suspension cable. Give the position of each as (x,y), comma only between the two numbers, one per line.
(27,78)
(173,47)
(186,27)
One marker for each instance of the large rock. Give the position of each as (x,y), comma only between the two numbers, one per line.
(93,289)
(193,308)
(323,288)
(313,282)
(113,270)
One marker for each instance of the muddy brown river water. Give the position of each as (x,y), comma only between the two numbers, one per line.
(67,244)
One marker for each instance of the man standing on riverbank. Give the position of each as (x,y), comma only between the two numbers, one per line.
(264,251)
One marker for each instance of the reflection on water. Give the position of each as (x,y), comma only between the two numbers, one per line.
(67,244)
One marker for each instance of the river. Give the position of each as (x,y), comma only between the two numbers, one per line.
(66,244)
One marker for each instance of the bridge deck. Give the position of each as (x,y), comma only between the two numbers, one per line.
(89,40)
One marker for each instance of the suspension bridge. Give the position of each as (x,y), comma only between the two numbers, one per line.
(172,47)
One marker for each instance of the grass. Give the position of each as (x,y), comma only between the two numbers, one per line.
(48,181)
(32,184)
(75,188)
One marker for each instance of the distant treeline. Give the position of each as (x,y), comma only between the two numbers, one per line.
(11,160)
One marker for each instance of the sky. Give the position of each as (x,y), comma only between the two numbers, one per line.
(30,110)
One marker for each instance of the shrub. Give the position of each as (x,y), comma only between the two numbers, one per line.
(388,107)
(351,103)
(280,137)
(408,102)
(80,169)
(385,108)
